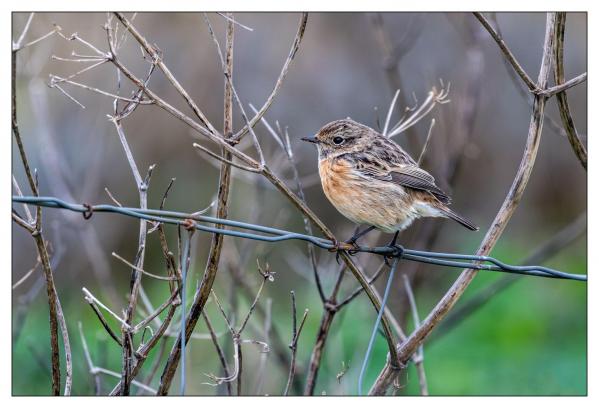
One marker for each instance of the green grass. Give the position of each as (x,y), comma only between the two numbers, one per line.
(530,339)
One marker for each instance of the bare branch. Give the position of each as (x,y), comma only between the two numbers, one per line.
(294,48)
(223,160)
(157,57)
(129,264)
(17,45)
(507,53)
(92,299)
(27,275)
(219,350)
(562,99)
(72,98)
(549,92)
(408,347)
(112,197)
(237,23)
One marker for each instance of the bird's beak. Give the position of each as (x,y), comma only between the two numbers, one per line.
(310,139)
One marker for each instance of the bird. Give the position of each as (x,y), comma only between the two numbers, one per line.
(372,181)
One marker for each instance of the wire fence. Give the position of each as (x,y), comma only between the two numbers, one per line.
(198,222)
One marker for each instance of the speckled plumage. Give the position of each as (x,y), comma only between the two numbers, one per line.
(371,180)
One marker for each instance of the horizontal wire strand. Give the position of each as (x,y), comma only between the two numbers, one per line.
(277,235)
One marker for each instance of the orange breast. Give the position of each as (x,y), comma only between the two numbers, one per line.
(363,200)
(334,175)
(343,188)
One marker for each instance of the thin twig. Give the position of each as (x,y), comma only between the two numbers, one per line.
(157,57)
(227,161)
(390,112)
(418,357)
(292,52)
(219,350)
(426,142)
(507,53)
(17,45)
(92,299)
(55,310)
(129,264)
(27,275)
(237,23)
(233,91)
(295,333)
(549,92)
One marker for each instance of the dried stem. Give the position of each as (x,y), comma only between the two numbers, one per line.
(562,98)
(294,48)
(219,350)
(418,357)
(209,276)
(221,212)
(507,53)
(408,347)
(136,275)
(426,142)
(295,333)
(267,275)
(158,58)
(55,310)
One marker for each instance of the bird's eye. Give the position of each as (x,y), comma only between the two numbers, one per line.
(338,140)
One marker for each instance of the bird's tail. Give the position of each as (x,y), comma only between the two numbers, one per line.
(456,217)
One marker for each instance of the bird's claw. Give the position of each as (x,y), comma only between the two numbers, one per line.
(349,246)
(355,248)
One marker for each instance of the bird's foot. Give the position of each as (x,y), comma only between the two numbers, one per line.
(397,250)
(349,246)
(335,248)
(354,247)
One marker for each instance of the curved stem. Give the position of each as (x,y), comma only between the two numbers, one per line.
(410,346)
(562,98)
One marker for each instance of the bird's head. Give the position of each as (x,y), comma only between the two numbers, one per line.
(342,136)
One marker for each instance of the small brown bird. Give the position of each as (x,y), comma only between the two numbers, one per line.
(371,180)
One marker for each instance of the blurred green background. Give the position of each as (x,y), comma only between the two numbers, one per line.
(529,339)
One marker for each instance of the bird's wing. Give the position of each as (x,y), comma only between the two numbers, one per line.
(416,178)
(406,175)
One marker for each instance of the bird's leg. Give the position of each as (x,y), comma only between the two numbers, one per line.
(392,244)
(352,241)
(358,234)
